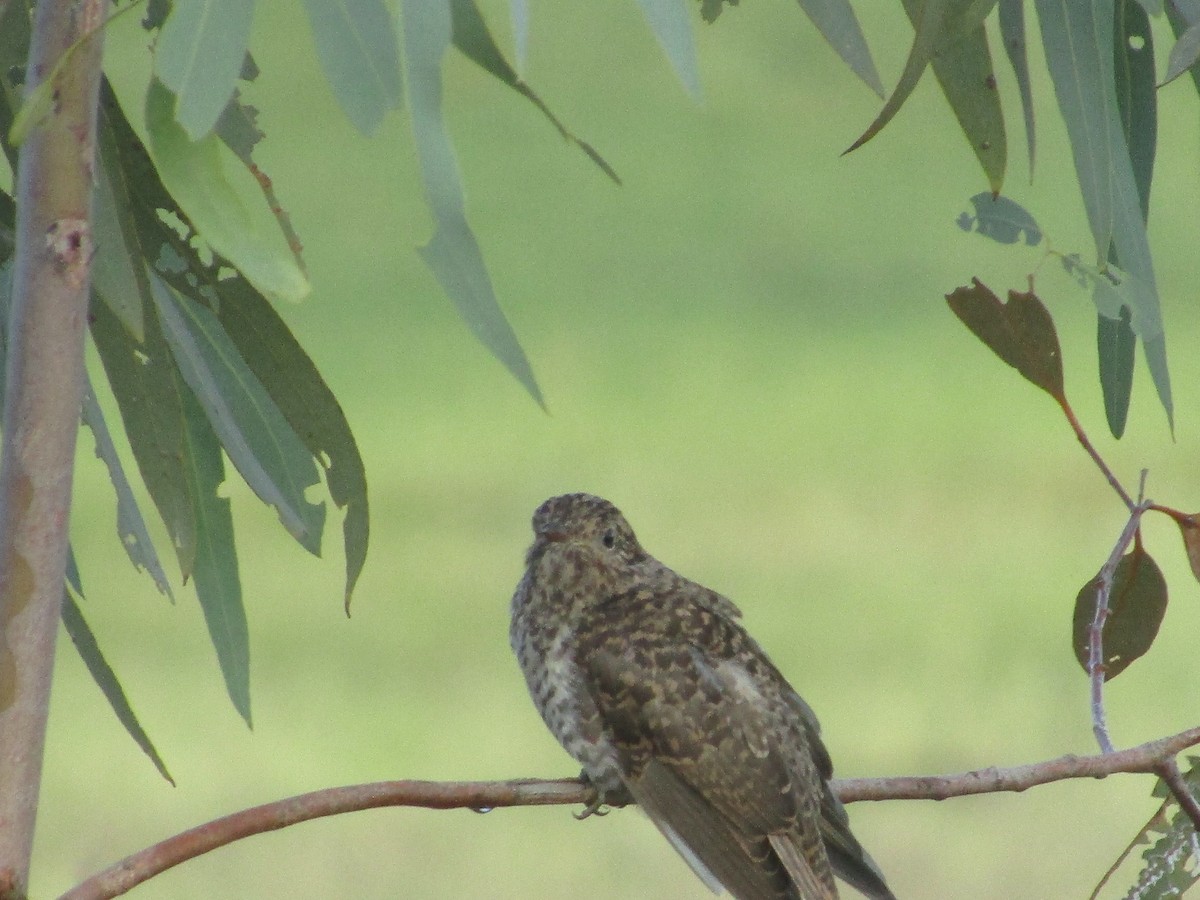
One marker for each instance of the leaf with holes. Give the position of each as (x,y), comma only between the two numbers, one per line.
(1020,332)
(1136,605)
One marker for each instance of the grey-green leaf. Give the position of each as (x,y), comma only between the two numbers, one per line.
(1078,39)
(131,527)
(145,383)
(217,584)
(357,46)
(1002,219)
(838,24)
(258,439)
(672,27)
(199,56)
(964,71)
(470,35)
(104,676)
(1116,349)
(453,254)
(1012,33)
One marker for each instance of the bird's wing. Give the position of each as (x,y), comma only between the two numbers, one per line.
(699,747)
(849,859)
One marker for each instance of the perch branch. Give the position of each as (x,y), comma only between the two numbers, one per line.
(484,795)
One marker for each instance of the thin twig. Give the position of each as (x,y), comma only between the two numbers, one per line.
(486,795)
(1096,670)
(1096,458)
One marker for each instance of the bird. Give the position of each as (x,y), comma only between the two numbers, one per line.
(652,684)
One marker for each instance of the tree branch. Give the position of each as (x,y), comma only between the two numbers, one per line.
(43,392)
(487,795)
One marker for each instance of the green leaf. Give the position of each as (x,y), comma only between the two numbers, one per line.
(357,47)
(144,382)
(937,24)
(1001,219)
(453,255)
(1012,33)
(199,55)
(1185,53)
(266,345)
(195,175)
(672,28)
(1021,332)
(117,273)
(1137,96)
(1078,39)
(968,80)
(1184,16)
(1136,606)
(1116,347)
(470,35)
(131,527)
(104,676)
(1133,59)
(217,585)
(838,24)
(259,440)
(290,377)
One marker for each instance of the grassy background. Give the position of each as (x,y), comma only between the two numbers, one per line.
(747,349)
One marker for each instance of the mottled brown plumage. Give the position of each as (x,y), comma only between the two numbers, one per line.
(648,680)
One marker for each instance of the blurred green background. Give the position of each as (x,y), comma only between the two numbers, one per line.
(746,347)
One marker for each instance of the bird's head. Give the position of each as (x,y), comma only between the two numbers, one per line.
(586,527)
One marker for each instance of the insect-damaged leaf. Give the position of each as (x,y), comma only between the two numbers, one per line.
(1136,606)
(1020,332)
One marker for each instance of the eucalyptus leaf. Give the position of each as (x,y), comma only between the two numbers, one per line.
(258,439)
(194,173)
(672,28)
(199,55)
(453,254)
(357,46)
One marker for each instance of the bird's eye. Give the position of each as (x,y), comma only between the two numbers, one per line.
(609,539)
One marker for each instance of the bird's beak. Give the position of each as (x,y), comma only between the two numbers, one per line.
(554,537)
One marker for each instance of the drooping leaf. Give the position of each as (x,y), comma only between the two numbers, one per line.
(194,173)
(1183,16)
(144,383)
(1002,219)
(453,254)
(260,442)
(1136,606)
(672,28)
(937,24)
(1021,332)
(1185,53)
(264,341)
(131,527)
(217,584)
(357,46)
(199,55)
(290,377)
(968,80)
(1137,96)
(838,24)
(104,676)
(1012,32)
(238,130)
(1078,39)
(470,35)
(1116,349)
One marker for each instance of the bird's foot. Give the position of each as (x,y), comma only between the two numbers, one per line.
(605,801)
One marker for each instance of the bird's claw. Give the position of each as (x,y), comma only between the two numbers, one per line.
(604,801)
